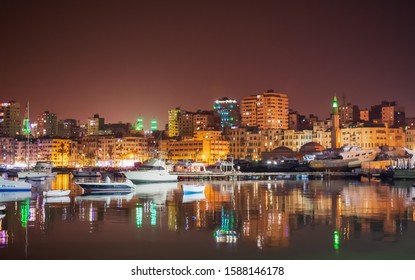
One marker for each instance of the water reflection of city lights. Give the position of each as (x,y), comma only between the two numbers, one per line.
(336,240)
(260,242)
(153,214)
(92,214)
(226,236)
(4,238)
(139,216)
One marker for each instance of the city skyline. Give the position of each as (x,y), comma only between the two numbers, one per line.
(129,59)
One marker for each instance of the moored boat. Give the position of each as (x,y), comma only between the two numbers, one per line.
(55,193)
(41,171)
(152,171)
(345,159)
(107,186)
(86,172)
(14,186)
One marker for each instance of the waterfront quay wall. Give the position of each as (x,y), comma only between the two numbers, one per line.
(246,176)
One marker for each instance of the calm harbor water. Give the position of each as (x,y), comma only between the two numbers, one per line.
(284,219)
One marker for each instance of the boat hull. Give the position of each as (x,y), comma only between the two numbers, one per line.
(14,186)
(140,177)
(107,187)
(35,176)
(56,193)
(331,165)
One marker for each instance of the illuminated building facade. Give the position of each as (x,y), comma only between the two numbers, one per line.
(388,113)
(266,111)
(410,123)
(153,125)
(348,114)
(294,140)
(7,146)
(95,125)
(206,146)
(107,150)
(249,142)
(174,122)
(186,124)
(203,120)
(364,115)
(47,124)
(410,139)
(24,152)
(68,128)
(229,113)
(139,125)
(10,120)
(371,137)
(322,133)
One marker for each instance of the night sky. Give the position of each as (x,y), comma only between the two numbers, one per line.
(122,59)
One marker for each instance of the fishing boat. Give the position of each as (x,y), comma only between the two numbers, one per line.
(56,193)
(14,186)
(152,171)
(107,186)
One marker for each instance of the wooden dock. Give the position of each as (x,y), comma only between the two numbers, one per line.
(246,176)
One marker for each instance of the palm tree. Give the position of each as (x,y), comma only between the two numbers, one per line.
(63,149)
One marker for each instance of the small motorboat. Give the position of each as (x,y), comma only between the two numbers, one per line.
(2,207)
(107,186)
(55,193)
(7,185)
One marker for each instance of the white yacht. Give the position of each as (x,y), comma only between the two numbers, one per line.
(347,158)
(153,170)
(41,171)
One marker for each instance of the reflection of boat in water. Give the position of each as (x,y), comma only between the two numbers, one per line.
(106,197)
(15,196)
(107,186)
(346,158)
(152,171)
(193,188)
(57,199)
(14,186)
(187,198)
(55,193)
(156,191)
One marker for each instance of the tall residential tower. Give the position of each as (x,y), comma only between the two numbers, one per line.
(266,111)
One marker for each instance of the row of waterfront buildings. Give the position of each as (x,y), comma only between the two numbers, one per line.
(242,129)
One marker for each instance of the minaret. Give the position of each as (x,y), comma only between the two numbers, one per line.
(335,131)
